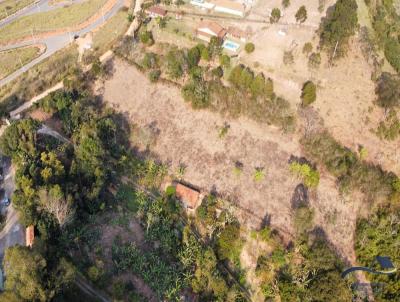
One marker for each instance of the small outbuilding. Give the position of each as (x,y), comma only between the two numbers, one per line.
(189,197)
(156,11)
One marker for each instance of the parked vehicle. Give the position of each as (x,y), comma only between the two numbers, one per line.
(5,201)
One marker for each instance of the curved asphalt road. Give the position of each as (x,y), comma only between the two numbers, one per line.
(55,43)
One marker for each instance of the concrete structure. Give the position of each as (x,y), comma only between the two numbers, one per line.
(156,11)
(207,29)
(229,7)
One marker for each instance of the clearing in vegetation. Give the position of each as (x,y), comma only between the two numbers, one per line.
(11,60)
(48,21)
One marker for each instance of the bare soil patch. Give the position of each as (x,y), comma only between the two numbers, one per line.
(178,135)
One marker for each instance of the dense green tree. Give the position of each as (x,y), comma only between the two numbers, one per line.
(338,26)
(225,61)
(285,3)
(275,15)
(193,56)
(30,278)
(388,90)
(249,47)
(308,93)
(301,14)
(20,138)
(176,63)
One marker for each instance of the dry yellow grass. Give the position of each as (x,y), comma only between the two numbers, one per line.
(52,20)
(11,60)
(9,7)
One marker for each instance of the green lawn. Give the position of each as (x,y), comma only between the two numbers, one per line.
(59,18)
(10,60)
(9,7)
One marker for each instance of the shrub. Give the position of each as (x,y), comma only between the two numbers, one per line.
(309,175)
(94,273)
(197,93)
(259,174)
(149,60)
(249,47)
(314,60)
(285,3)
(388,90)
(389,129)
(308,93)
(307,48)
(146,37)
(229,244)
(225,61)
(288,57)
(275,15)
(154,75)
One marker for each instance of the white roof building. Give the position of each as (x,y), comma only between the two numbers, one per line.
(229,7)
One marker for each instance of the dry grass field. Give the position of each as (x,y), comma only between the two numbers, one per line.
(11,60)
(171,132)
(9,7)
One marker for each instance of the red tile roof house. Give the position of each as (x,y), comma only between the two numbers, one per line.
(237,33)
(207,29)
(189,197)
(156,11)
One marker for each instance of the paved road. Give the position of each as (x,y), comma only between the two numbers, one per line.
(13,233)
(55,43)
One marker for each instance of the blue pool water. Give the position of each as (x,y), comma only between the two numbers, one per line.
(231,45)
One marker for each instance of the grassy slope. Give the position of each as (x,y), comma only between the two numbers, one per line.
(104,38)
(11,60)
(9,7)
(38,78)
(52,20)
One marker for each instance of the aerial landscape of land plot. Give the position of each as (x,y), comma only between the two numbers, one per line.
(200,150)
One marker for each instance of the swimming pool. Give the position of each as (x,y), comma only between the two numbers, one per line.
(230,45)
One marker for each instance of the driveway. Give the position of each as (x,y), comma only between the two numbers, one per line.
(55,43)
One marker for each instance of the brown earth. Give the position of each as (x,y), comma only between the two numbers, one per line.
(178,135)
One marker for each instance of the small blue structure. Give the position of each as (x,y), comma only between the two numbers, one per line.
(230,45)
